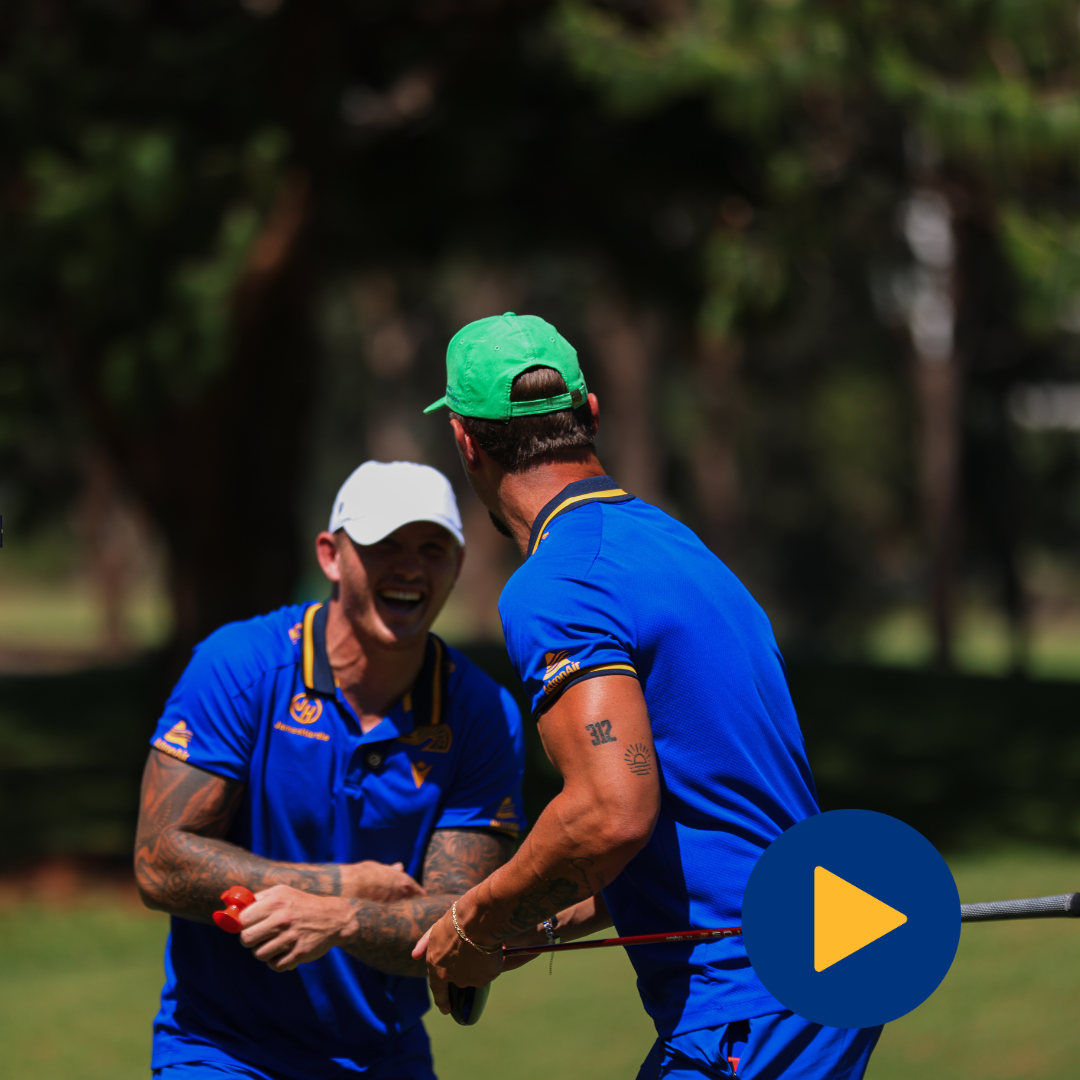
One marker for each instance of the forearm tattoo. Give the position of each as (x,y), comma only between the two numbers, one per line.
(182,864)
(558,893)
(456,860)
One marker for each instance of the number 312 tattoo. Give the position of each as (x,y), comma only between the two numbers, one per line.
(600,732)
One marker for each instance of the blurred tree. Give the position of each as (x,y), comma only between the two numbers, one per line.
(153,287)
(960,121)
(765,211)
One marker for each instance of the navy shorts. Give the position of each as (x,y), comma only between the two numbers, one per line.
(764,1048)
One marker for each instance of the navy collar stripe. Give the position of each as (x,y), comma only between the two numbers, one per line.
(579,493)
(427,698)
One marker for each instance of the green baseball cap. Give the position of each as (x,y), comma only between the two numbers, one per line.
(484,357)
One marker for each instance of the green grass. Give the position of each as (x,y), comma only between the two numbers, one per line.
(79,985)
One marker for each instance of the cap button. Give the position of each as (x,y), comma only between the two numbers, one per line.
(505,313)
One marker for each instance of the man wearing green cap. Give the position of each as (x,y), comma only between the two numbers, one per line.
(662,700)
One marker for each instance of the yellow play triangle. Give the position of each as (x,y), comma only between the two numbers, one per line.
(846,919)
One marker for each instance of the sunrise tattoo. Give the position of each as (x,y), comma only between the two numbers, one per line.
(456,860)
(600,732)
(182,864)
(639,759)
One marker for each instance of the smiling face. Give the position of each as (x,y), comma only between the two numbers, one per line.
(391,591)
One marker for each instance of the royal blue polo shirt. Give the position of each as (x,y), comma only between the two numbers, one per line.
(258,703)
(613,587)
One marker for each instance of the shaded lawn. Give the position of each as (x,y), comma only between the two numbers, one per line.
(79,985)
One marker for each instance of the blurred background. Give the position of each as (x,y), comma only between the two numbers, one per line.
(821,262)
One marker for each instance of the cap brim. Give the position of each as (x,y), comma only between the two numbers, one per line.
(436,405)
(372,531)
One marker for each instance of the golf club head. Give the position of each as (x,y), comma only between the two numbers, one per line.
(467,1003)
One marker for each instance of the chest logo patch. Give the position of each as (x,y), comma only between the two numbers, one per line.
(420,770)
(305,710)
(435,738)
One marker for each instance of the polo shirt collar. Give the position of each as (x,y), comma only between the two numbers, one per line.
(579,493)
(421,706)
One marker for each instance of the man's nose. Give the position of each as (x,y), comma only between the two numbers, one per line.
(409,565)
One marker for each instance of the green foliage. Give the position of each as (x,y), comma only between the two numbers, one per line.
(1044,248)
(990,85)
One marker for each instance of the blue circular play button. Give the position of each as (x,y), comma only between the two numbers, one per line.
(851,918)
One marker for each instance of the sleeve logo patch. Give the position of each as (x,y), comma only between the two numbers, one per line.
(506,817)
(434,738)
(179,735)
(305,710)
(295,632)
(555,662)
(175,741)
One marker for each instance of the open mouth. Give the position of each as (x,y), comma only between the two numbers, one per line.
(401,601)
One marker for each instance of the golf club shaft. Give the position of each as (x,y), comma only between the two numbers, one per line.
(1065,906)
(640,939)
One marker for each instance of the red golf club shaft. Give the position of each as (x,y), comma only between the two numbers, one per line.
(640,939)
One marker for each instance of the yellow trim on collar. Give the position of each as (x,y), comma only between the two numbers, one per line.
(309,647)
(570,502)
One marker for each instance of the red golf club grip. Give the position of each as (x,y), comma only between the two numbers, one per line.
(236,898)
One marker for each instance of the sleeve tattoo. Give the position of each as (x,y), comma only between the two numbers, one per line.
(456,860)
(182,864)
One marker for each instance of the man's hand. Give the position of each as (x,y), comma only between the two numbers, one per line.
(379,882)
(287,927)
(451,960)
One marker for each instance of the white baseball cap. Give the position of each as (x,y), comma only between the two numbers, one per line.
(380,497)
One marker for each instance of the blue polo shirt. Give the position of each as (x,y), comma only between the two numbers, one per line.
(258,703)
(615,588)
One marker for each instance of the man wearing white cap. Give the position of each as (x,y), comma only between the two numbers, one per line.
(352,771)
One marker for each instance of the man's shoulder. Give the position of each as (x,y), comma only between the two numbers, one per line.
(247,649)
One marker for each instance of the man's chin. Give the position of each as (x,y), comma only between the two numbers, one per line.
(500,525)
(400,630)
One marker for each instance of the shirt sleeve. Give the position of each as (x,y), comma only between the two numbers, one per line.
(561,630)
(207,721)
(486,792)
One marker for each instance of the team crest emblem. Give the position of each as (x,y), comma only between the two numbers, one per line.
(305,710)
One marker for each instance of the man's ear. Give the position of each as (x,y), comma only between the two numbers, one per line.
(326,551)
(467,448)
(594,408)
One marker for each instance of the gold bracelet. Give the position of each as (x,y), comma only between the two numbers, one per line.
(461,934)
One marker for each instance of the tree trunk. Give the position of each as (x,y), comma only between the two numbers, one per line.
(219,478)
(625,343)
(714,462)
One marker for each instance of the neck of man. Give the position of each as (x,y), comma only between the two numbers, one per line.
(372,676)
(521,496)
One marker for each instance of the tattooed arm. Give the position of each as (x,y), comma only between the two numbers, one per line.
(286,927)
(598,736)
(182,864)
